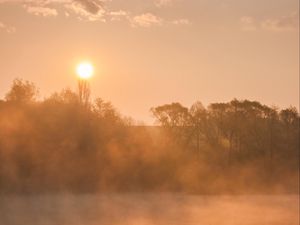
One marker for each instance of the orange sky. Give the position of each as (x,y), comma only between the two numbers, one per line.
(151,52)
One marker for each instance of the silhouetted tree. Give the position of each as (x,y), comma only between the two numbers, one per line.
(84,92)
(22,92)
(175,118)
(198,122)
(61,144)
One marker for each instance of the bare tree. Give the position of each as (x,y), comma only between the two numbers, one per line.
(84,92)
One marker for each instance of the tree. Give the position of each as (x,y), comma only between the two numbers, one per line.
(22,92)
(198,117)
(66,96)
(171,115)
(175,118)
(106,111)
(218,117)
(290,125)
(84,92)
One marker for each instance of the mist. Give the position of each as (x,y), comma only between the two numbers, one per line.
(149,209)
(69,160)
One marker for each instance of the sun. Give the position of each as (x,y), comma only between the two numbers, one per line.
(85,70)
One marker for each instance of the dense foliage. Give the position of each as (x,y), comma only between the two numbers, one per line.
(60,144)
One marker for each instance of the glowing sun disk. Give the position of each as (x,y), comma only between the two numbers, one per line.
(85,70)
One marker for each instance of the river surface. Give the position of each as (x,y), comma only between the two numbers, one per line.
(149,209)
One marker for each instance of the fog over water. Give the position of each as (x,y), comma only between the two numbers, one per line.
(67,160)
(149,209)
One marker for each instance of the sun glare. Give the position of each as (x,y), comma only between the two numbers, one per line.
(85,70)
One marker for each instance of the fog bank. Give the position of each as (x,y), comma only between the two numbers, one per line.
(149,209)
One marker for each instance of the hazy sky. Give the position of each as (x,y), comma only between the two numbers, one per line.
(151,52)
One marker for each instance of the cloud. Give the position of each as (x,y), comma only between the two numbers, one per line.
(119,15)
(41,11)
(181,22)
(6,28)
(161,3)
(146,20)
(91,6)
(284,23)
(248,23)
(95,10)
(91,10)
(85,9)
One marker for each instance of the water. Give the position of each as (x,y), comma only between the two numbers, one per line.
(149,209)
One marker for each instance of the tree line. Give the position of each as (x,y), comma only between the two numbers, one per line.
(244,129)
(59,144)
